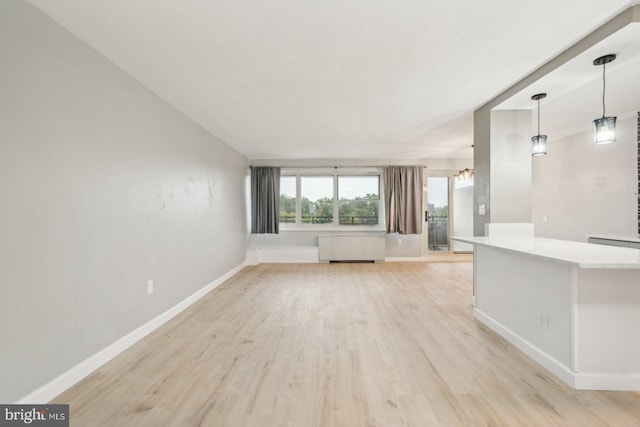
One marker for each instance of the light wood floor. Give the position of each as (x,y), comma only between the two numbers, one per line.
(390,344)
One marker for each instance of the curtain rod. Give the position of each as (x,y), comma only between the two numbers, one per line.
(337,167)
(338,163)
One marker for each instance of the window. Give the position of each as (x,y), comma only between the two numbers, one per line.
(359,198)
(327,198)
(316,203)
(287,199)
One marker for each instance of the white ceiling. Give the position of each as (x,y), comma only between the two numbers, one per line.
(334,78)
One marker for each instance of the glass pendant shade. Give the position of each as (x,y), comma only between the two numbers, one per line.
(539,142)
(465,174)
(604,130)
(539,145)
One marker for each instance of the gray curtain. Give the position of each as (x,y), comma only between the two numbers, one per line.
(265,200)
(403,199)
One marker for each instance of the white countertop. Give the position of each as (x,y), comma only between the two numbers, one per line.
(583,255)
(621,237)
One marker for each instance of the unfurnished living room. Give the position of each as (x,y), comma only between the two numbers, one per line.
(342,213)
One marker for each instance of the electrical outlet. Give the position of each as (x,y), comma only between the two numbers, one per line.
(482,209)
(543,321)
(399,241)
(149,287)
(545,219)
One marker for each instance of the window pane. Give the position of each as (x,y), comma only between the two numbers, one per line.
(359,199)
(359,187)
(287,199)
(317,199)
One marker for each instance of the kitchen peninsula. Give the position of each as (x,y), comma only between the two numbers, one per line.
(573,307)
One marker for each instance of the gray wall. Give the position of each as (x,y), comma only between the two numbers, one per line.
(584,188)
(481,167)
(104,186)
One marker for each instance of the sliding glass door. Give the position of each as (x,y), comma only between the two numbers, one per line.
(448,205)
(437,226)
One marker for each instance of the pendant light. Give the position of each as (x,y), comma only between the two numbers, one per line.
(539,142)
(604,130)
(465,175)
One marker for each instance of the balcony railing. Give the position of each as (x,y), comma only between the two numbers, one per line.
(359,220)
(317,219)
(287,219)
(438,233)
(343,220)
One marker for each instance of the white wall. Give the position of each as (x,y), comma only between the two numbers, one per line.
(510,198)
(397,245)
(584,188)
(404,245)
(463,216)
(104,186)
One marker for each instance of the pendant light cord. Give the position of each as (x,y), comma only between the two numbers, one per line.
(604,85)
(538,116)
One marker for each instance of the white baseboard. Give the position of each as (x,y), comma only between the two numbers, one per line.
(548,362)
(67,379)
(436,258)
(577,380)
(309,254)
(614,382)
(282,254)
